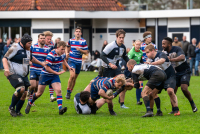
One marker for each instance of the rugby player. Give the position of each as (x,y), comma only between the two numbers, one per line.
(155,76)
(16,65)
(160,59)
(76,47)
(177,57)
(50,76)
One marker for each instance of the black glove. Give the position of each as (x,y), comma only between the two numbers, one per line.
(137,85)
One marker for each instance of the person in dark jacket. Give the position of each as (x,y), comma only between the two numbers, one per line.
(7,46)
(1,53)
(197,51)
(185,45)
(192,54)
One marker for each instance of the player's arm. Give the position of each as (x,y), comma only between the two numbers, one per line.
(135,80)
(82,51)
(125,57)
(34,60)
(180,56)
(159,62)
(65,63)
(103,94)
(48,69)
(12,51)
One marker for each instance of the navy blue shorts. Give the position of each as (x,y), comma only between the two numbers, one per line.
(170,82)
(48,79)
(34,75)
(182,79)
(76,66)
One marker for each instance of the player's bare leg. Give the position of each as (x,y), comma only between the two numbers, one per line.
(71,83)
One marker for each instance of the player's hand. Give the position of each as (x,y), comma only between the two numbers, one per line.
(78,49)
(30,63)
(67,55)
(112,66)
(168,57)
(61,72)
(7,73)
(111,97)
(148,62)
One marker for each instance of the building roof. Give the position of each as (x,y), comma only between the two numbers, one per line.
(77,5)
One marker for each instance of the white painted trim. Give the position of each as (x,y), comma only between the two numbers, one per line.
(98,14)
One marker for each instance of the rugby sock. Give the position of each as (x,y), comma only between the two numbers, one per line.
(121,103)
(59,101)
(69,90)
(31,96)
(152,109)
(157,101)
(147,103)
(51,91)
(34,98)
(138,94)
(19,105)
(175,109)
(191,102)
(14,101)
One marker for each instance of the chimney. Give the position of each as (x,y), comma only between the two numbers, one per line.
(33,5)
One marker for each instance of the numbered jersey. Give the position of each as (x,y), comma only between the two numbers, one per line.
(18,60)
(144,71)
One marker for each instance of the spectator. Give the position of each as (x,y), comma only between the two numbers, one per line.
(86,59)
(96,54)
(176,42)
(104,45)
(56,41)
(1,52)
(197,51)
(185,44)
(15,41)
(192,54)
(7,46)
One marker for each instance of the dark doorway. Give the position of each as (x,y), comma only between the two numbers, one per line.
(152,30)
(195,33)
(86,25)
(162,33)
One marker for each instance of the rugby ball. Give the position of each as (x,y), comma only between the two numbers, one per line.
(109,92)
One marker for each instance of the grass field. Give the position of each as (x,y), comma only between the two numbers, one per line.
(44,117)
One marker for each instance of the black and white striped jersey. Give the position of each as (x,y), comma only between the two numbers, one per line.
(114,52)
(18,60)
(81,108)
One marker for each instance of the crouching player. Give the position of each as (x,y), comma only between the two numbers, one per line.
(82,105)
(16,65)
(50,76)
(155,76)
(99,88)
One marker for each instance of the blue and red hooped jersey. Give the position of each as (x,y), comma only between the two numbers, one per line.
(143,46)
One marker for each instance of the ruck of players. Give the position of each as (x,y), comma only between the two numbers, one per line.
(31,66)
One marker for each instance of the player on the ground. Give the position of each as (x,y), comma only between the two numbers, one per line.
(50,44)
(40,52)
(16,65)
(82,105)
(177,58)
(160,59)
(99,88)
(111,55)
(76,47)
(155,76)
(50,76)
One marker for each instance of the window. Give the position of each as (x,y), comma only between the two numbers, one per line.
(26,30)
(15,32)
